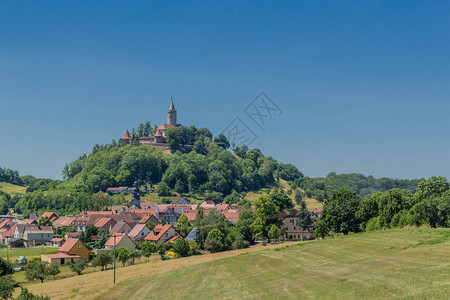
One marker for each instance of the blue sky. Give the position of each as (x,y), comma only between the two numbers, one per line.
(364,85)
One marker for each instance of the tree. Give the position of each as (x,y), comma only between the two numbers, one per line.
(246,218)
(320,229)
(339,212)
(150,225)
(281,200)
(6,267)
(267,214)
(239,241)
(134,254)
(214,241)
(147,248)
(103,239)
(45,221)
(40,270)
(222,141)
(103,259)
(183,226)
(434,186)
(7,285)
(163,189)
(123,255)
(181,247)
(304,219)
(26,295)
(298,197)
(274,233)
(79,266)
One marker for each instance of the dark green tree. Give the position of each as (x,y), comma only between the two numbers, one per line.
(339,212)
(181,247)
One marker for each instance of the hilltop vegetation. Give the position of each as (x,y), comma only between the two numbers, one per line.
(408,263)
(204,170)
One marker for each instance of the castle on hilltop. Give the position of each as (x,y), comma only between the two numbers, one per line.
(160,135)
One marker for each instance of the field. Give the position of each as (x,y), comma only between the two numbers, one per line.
(12,189)
(29,253)
(408,263)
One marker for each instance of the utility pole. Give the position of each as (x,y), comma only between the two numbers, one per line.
(114,259)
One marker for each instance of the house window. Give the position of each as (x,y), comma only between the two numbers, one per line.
(79,247)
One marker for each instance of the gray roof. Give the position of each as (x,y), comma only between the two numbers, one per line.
(191,236)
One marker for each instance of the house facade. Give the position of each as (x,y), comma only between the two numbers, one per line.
(162,233)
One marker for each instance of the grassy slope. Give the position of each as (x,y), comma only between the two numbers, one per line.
(311,203)
(413,263)
(12,189)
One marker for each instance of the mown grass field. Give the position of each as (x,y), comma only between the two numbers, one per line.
(12,189)
(404,263)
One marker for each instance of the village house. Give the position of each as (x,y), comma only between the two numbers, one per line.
(57,242)
(232,216)
(170,216)
(208,205)
(162,233)
(51,215)
(64,221)
(105,223)
(33,235)
(60,259)
(183,200)
(291,227)
(120,241)
(75,247)
(139,232)
(121,227)
(150,218)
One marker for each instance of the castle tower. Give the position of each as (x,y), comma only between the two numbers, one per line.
(172,115)
(126,137)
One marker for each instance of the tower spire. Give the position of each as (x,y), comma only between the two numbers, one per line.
(172,107)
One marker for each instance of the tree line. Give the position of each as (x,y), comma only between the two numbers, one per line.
(347,212)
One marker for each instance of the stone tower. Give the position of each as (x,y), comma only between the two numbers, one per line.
(172,115)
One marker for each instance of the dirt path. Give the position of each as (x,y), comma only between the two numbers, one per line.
(90,286)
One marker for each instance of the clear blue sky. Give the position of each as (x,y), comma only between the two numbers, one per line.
(364,85)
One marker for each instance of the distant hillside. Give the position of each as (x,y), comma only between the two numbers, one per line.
(323,188)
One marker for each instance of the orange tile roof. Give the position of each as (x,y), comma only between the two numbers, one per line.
(68,245)
(102,222)
(126,135)
(157,232)
(172,239)
(165,127)
(110,242)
